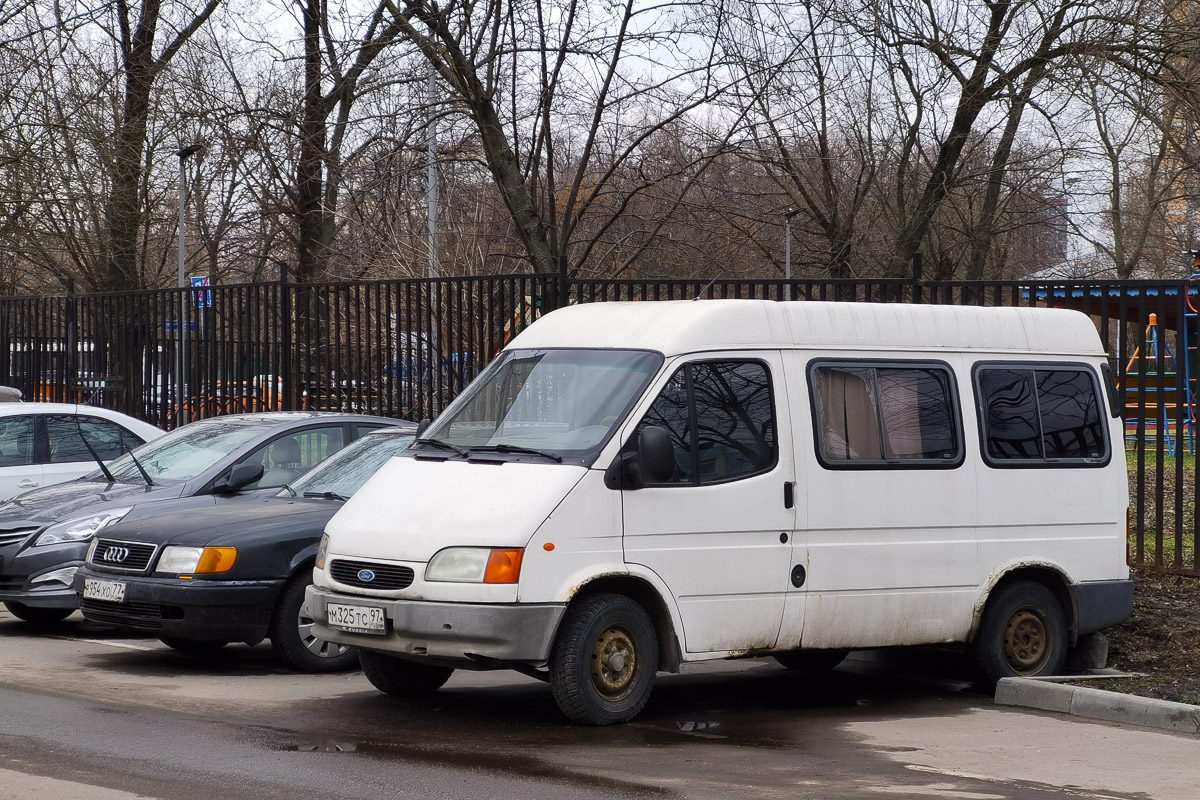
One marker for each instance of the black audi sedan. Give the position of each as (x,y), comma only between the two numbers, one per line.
(45,533)
(235,572)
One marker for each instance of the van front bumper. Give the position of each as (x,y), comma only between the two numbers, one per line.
(477,635)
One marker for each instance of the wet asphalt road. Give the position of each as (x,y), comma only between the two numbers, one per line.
(87,713)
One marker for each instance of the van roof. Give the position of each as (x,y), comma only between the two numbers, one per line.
(683,326)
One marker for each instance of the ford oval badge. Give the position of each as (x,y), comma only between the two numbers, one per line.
(366,576)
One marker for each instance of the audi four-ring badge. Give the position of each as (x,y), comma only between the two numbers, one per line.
(115,555)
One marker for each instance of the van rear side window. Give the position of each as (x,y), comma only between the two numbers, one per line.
(885,415)
(1040,416)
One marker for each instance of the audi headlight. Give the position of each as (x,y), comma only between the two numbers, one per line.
(178,560)
(476,565)
(80,529)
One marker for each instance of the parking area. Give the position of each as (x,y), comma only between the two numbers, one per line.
(86,708)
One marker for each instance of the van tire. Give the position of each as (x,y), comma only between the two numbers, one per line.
(591,675)
(401,678)
(812,660)
(291,634)
(36,615)
(1023,633)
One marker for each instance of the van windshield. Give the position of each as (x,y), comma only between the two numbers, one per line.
(564,404)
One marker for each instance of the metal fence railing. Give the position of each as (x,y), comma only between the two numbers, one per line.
(405,348)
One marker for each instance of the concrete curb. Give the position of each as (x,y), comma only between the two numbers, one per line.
(1083,701)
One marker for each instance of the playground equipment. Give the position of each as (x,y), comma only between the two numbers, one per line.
(1161,404)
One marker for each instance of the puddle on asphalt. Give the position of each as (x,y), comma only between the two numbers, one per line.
(505,762)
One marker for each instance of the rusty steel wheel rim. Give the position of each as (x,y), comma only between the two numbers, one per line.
(614,663)
(1026,641)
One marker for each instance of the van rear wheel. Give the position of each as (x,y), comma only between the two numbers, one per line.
(604,660)
(1023,634)
(401,678)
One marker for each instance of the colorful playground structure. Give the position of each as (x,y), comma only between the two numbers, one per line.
(1160,389)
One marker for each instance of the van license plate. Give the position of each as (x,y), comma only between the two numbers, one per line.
(357,619)
(108,591)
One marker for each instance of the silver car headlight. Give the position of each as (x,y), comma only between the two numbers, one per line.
(81,529)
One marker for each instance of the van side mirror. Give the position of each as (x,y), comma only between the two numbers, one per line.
(656,454)
(238,476)
(653,462)
(423,426)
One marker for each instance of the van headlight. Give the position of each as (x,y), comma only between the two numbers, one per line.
(81,529)
(476,565)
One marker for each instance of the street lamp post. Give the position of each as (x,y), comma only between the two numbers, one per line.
(181,384)
(787,251)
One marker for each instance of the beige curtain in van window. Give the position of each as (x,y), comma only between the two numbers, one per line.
(901,411)
(849,424)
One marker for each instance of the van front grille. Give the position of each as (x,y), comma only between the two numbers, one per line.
(383,576)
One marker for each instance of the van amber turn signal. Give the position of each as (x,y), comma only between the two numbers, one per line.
(504,566)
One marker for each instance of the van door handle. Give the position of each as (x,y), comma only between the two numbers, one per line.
(789,491)
(26,484)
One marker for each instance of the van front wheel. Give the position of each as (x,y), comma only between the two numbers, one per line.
(1023,633)
(604,659)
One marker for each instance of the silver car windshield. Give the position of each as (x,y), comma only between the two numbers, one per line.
(185,452)
(564,404)
(344,472)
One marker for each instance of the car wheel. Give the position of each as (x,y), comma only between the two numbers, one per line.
(38,616)
(292,636)
(401,678)
(604,660)
(195,647)
(1023,633)
(812,660)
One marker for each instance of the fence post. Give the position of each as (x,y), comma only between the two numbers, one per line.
(72,377)
(918,278)
(287,359)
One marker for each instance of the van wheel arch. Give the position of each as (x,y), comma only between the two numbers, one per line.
(670,655)
(1049,577)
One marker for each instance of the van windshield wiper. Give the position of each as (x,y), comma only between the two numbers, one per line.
(438,443)
(327,495)
(516,448)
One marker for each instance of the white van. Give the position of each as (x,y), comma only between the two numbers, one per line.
(629,487)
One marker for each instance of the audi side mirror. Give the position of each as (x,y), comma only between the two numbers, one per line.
(238,476)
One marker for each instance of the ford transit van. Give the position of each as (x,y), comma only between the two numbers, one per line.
(630,487)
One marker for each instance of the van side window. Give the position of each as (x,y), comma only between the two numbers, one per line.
(721,419)
(885,415)
(1040,416)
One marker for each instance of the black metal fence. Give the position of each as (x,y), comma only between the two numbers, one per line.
(406,348)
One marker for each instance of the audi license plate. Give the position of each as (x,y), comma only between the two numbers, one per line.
(108,591)
(357,619)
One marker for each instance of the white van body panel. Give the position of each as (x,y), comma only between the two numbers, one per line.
(584,534)
(891,553)
(449,504)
